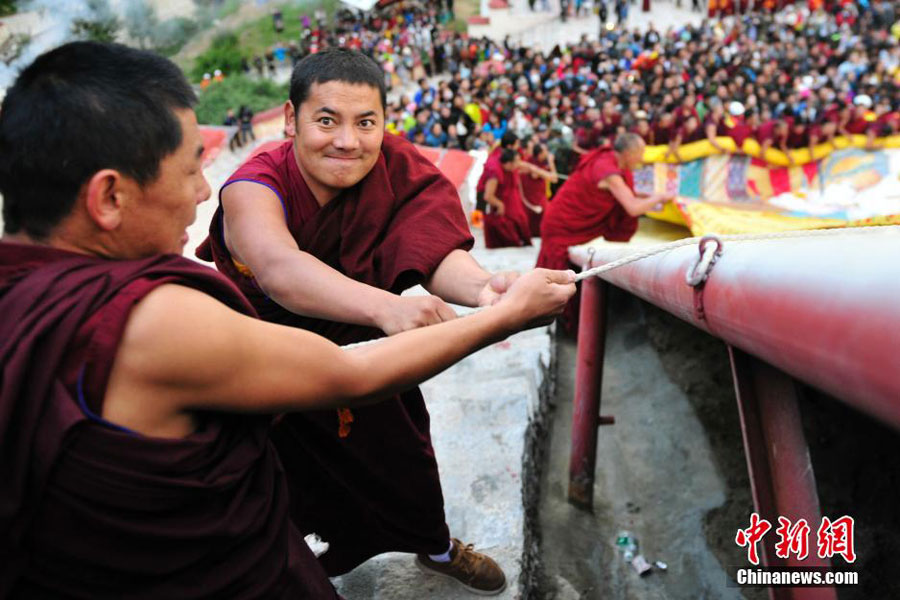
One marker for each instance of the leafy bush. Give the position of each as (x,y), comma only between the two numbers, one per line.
(8,7)
(140,21)
(99,25)
(236,90)
(253,38)
(224,53)
(171,35)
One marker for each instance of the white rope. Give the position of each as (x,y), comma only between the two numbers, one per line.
(743,237)
(668,247)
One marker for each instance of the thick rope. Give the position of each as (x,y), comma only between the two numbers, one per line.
(668,247)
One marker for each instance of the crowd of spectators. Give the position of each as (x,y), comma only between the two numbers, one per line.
(406,39)
(789,80)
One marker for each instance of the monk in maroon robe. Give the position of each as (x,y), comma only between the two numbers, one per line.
(492,167)
(137,387)
(541,172)
(324,233)
(79,481)
(598,199)
(506,222)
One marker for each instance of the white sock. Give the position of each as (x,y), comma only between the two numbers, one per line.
(442,558)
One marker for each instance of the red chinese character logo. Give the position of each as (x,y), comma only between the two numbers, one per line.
(748,537)
(792,539)
(836,537)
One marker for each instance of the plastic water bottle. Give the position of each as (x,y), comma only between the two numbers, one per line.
(627,544)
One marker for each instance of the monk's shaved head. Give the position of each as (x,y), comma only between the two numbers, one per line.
(630,148)
(627,141)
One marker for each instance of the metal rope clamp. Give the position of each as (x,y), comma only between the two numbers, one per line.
(699,272)
(590,261)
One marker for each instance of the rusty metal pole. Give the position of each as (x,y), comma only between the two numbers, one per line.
(588,383)
(781,472)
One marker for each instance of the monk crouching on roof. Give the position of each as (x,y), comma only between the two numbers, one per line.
(598,199)
(323,233)
(137,387)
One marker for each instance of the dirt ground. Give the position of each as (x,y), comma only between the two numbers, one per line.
(672,471)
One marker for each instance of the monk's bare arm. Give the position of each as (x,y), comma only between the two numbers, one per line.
(633,205)
(537,172)
(461,280)
(257,236)
(787,152)
(184,351)
(490,195)
(674,146)
(711,137)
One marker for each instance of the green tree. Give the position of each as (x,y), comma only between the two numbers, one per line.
(141,22)
(170,36)
(100,24)
(224,53)
(236,90)
(8,7)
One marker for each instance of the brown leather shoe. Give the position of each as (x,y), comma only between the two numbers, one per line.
(472,570)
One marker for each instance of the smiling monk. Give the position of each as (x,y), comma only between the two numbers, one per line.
(137,388)
(324,233)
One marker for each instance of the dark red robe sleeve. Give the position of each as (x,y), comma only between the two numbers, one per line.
(428,221)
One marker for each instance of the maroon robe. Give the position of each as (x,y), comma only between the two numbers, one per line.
(610,126)
(798,139)
(663,135)
(740,131)
(91,509)
(581,212)
(720,125)
(695,135)
(512,228)
(857,125)
(683,113)
(535,195)
(370,485)
(589,136)
(767,132)
(492,168)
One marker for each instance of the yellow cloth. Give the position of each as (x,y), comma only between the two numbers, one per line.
(710,218)
(703,149)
